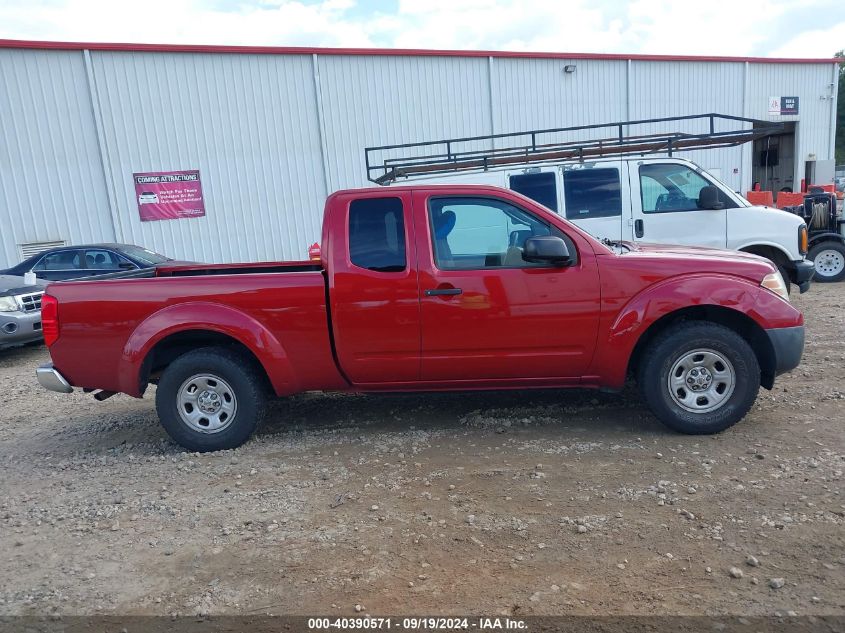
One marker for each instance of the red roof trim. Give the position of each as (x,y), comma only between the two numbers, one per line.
(300,50)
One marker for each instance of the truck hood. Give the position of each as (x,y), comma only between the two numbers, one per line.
(667,259)
(678,250)
(11,285)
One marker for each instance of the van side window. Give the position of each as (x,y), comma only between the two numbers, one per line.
(540,187)
(377,234)
(592,193)
(667,187)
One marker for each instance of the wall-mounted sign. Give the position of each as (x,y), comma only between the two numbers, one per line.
(169,195)
(783,106)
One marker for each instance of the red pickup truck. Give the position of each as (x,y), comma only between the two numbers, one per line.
(430,288)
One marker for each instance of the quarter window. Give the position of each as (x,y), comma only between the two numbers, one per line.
(377,234)
(592,193)
(475,233)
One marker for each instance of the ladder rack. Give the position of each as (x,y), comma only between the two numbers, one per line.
(388,163)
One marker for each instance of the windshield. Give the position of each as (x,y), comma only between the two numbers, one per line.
(143,255)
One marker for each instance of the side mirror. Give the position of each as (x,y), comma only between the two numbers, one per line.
(548,249)
(126,266)
(708,198)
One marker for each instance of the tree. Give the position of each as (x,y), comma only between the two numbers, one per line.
(840,112)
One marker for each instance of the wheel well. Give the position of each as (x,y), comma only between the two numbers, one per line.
(175,345)
(769,252)
(743,325)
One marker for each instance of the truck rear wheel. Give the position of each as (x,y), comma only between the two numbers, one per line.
(210,399)
(699,377)
(829,260)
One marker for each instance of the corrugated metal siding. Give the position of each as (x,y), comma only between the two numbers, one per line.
(51,178)
(537,93)
(247,122)
(272,134)
(370,101)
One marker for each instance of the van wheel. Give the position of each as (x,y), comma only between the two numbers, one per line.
(699,377)
(829,260)
(210,399)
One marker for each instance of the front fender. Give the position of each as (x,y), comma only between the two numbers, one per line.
(207,316)
(678,293)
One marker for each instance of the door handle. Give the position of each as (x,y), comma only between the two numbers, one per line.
(639,231)
(434,292)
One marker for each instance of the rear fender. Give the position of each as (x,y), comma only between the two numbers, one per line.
(676,293)
(213,317)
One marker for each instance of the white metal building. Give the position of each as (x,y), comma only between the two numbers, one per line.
(273,130)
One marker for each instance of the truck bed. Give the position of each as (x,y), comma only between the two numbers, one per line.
(279,307)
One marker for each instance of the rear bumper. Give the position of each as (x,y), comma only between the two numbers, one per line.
(788,345)
(50,378)
(17,328)
(801,273)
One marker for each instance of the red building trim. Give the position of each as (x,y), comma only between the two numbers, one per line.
(300,50)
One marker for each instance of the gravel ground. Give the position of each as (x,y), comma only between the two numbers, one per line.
(517,503)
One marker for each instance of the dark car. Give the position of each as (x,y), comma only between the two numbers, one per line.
(73,262)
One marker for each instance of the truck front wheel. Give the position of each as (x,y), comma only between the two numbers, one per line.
(699,377)
(829,260)
(210,399)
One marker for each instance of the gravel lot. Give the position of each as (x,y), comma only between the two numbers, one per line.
(495,503)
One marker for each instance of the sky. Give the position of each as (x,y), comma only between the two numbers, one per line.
(758,28)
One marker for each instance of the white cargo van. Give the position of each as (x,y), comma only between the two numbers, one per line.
(665,200)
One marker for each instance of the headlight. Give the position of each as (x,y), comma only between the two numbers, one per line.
(8,304)
(803,244)
(775,283)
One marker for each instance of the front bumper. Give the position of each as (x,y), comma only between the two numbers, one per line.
(17,328)
(50,378)
(801,274)
(788,345)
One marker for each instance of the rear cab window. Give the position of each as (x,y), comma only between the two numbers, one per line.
(377,234)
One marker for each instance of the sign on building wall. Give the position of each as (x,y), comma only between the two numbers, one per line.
(169,195)
(783,106)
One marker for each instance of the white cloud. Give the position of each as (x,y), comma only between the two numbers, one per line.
(718,27)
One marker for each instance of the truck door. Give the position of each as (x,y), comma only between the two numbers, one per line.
(375,308)
(486,313)
(667,207)
(594,198)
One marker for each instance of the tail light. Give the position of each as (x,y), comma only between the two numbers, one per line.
(803,241)
(50,319)
(314,252)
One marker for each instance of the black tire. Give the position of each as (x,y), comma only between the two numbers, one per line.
(241,380)
(785,274)
(820,248)
(681,340)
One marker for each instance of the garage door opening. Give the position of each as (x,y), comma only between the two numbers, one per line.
(774,161)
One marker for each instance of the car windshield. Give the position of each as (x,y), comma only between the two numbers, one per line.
(143,255)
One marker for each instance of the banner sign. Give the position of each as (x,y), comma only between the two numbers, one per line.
(169,195)
(783,106)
